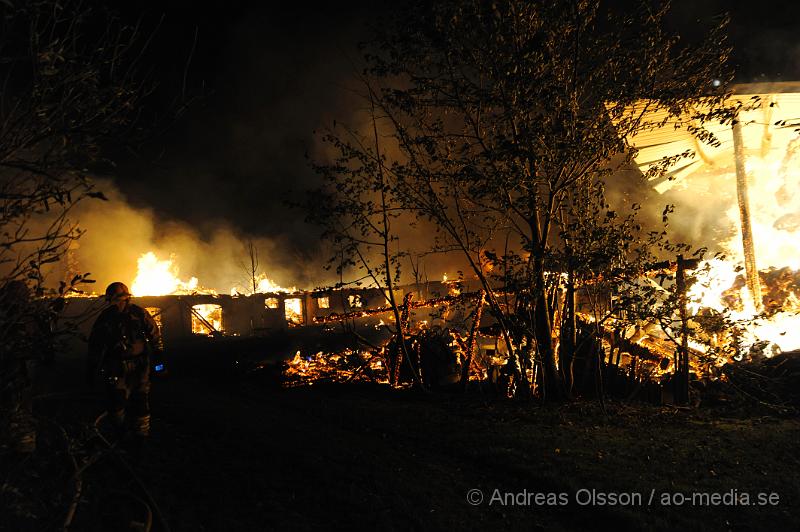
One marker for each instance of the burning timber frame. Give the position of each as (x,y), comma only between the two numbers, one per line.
(299,321)
(261,314)
(764,111)
(266,314)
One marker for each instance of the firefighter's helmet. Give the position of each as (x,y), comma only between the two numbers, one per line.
(117,291)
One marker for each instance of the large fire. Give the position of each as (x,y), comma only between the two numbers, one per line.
(775,220)
(268,286)
(769,157)
(159,277)
(770,150)
(156,277)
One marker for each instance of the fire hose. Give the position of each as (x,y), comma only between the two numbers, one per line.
(149,505)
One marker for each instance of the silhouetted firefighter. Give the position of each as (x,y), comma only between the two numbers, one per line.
(124,341)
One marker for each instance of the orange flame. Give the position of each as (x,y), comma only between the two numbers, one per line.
(156,277)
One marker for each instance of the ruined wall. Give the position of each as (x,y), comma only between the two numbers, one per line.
(258,314)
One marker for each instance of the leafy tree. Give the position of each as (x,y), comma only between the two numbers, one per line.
(503,120)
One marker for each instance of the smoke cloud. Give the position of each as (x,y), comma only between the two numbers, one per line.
(117,234)
(276,74)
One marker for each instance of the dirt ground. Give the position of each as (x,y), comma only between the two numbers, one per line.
(248,456)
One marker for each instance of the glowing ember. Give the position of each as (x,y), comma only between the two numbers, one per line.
(347,366)
(156,277)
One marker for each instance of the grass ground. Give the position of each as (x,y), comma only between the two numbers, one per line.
(251,457)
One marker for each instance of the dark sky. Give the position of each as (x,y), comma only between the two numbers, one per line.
(274,72)
(765,34)
(270,75)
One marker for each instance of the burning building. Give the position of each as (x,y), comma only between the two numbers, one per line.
(738,196)
(272,323)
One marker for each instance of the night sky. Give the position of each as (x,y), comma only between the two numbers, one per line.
(272,74)
(267,76)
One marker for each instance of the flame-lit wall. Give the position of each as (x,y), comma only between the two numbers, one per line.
(248,316)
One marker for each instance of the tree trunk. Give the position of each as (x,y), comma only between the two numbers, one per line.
(682,366)
(471,342)
(554,385)
(402,319)
(568,338)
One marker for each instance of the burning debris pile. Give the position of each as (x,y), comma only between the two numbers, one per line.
(430,356)
(346,366)
(777,293)
(437,356)
(739,194)
(781,286)
(767,325)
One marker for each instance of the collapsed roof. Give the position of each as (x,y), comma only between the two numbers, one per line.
(768,130)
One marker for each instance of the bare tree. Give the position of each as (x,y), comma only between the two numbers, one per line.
(250,265)
(359,214)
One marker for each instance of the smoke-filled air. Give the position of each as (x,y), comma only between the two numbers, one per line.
(155,257)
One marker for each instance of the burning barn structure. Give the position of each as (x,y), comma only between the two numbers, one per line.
(187,315)
(272,327)
(737,193)
(738,196)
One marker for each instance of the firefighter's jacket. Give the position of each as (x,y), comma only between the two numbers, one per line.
(122,335)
